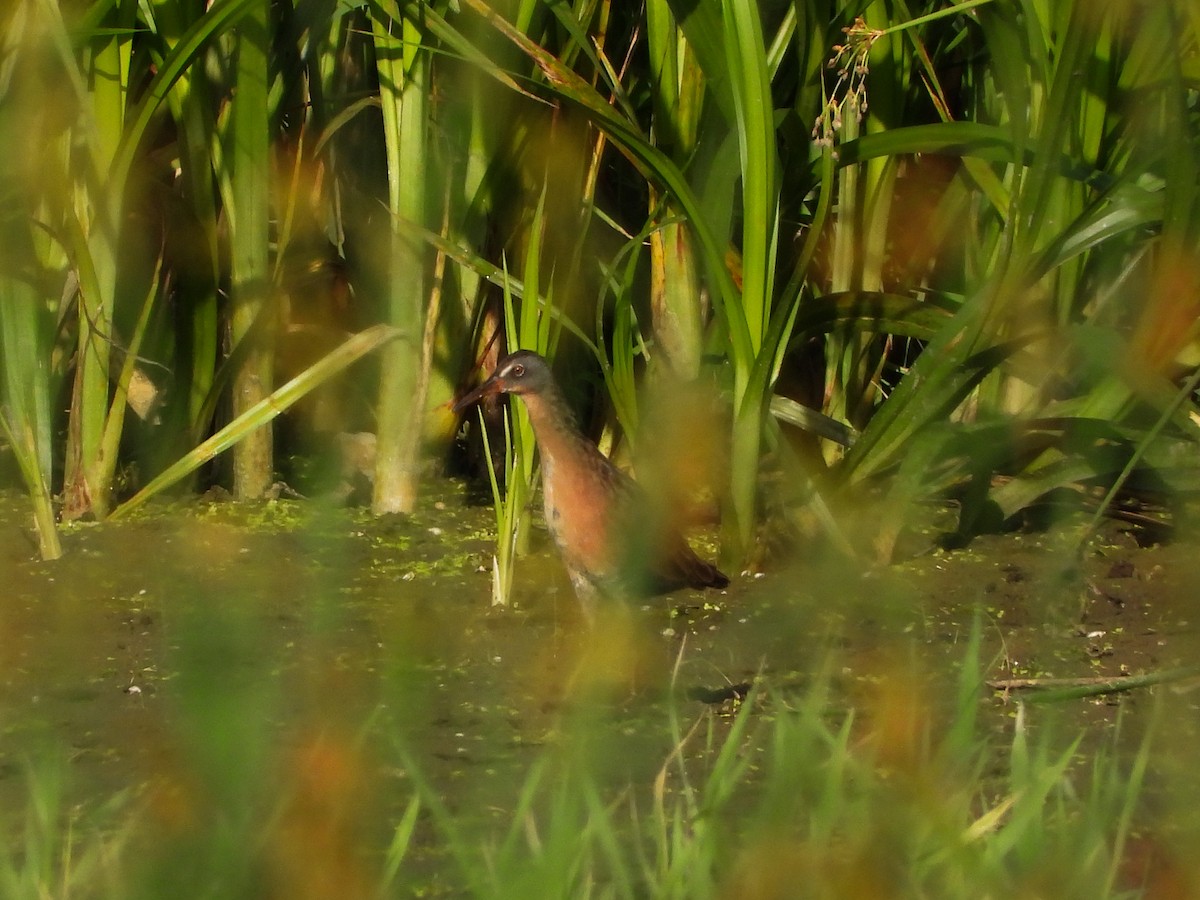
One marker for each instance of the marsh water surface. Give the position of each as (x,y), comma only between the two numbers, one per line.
(200,656)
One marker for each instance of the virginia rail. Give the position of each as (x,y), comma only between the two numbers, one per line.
(607,534)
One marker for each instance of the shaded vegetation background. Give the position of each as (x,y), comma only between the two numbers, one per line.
(917,249)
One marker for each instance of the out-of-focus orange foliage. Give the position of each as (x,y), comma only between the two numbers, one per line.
(681,457)
(1170,319)
(776,869)
(898,718)
(612,657)
(1152,867)
(313,849)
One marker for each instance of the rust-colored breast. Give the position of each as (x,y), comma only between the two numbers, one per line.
(605,530)
(580,509)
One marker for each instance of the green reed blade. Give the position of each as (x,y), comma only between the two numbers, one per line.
(263,412)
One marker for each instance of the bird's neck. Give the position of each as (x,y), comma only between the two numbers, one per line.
(554,425)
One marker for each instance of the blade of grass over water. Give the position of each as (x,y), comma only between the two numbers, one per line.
(508,504)
(263,412)
(527,327)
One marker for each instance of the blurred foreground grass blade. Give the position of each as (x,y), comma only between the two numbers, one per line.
(29,867)
(264,411)
(401,843)
(1129,787)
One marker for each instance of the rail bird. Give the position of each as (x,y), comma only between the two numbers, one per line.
(612,539)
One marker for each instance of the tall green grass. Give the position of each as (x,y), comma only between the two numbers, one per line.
(957,215)
(1058,206)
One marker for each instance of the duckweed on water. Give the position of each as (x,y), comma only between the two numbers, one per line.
(294,622)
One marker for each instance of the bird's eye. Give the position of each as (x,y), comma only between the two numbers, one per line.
(517,371)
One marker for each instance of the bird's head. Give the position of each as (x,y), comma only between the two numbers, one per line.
(523,372)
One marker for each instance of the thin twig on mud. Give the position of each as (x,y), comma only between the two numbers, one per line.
(1070,688)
